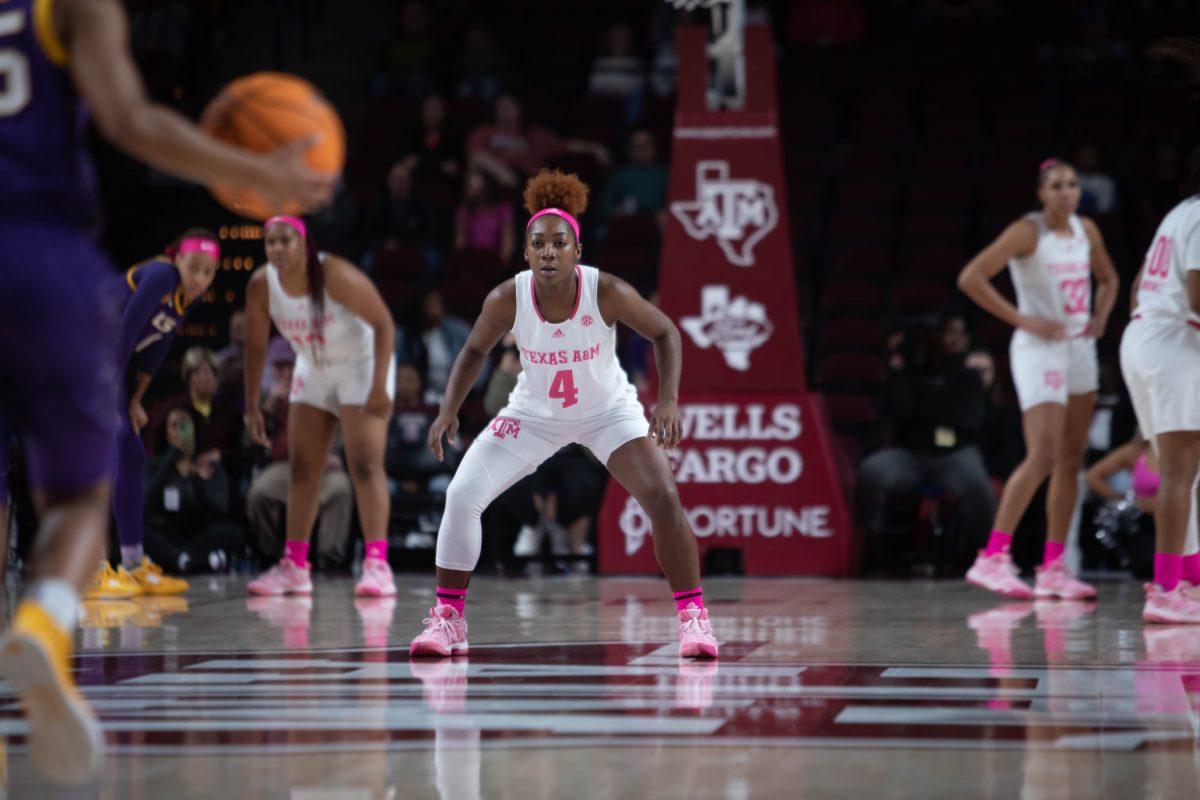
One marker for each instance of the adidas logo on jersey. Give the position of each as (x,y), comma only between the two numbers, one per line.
(558,334)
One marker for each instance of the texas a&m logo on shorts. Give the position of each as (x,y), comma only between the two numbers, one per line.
(1054,378)
(503,427)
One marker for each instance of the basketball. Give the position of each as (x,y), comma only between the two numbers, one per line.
(263,111)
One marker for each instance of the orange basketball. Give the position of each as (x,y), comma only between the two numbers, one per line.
(264,111)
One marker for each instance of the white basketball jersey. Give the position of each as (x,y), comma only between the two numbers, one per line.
(1174,252)
(344,336)
(569,370)
(1055,281)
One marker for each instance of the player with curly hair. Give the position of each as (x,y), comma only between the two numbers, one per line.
(571,389)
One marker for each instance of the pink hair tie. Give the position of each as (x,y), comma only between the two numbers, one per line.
(295,223)
(195,244)
(1047,164)
(557,212)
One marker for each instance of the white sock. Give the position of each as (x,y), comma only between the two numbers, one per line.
(131,556)
(60,600)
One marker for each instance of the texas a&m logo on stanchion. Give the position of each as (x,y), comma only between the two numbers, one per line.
(755,469)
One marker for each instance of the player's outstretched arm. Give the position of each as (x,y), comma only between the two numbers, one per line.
(348,285)
(495,319)
(96,33)
(620,302)
(258,330)
(1017,241)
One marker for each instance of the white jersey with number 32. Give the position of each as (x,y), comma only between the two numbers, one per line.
(1055,281)
(1174,252)
(569,369)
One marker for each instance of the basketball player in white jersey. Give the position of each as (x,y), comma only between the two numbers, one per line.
(571,389)
(1053,256)
(1160,358)
(343,336)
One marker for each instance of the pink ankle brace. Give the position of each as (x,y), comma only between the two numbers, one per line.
(682,599)
(998,542)
(296,552)
(455,598)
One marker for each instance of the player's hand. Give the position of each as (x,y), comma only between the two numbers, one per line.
(1048,329)
(289,179)
(378,403)
(1095,327)
(447,425)
(256,427)
(137,416)
(666,424)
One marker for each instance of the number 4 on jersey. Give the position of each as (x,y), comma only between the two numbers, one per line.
(563,388)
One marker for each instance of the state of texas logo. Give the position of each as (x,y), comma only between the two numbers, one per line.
(738,213)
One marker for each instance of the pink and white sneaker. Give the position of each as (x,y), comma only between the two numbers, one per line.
(696,638)
(445,634)
(283,578)
(997,573)
(376,580)
(1176,606)
(1054,580)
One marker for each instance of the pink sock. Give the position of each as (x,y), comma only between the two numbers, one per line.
(377,550)
(455,598)
(682,599)
(998,542)
(1167,568)
(1052,552)
(296,552)
(1191,569)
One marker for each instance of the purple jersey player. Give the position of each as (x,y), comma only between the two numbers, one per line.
(157,296)
(58,369)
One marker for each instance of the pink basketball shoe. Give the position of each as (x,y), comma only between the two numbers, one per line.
(1175,606)
(696,638)
(283,578)
(997,573)
(1054,580)
(376,580)
(445,634)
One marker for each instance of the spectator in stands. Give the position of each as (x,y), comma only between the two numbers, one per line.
(619,71)
(431,341)
(639,187)
(409,56)
(232,356)
(484,221)
(504,376)
(935,411)
(187,527)
(433,151)
(1000,439)
(509,150)
(1099,189)
(267,497)
(417,481)
(1161,192)
(216,419)
(400,217)
(1131,469)
(481,67)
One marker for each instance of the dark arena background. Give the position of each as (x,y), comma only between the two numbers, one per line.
(798,186)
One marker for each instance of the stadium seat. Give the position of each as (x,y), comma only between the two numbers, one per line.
(851,372)
(865,334)
(852,299)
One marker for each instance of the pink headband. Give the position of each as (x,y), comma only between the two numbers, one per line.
(1047,164)
(295,223)
(195,244)
(558,212)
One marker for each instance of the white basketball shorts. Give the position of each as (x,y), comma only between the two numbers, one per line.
(331,386)
(1161,363)
(1049,372)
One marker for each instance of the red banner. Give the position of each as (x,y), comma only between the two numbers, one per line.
(754,473)
(756,468)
